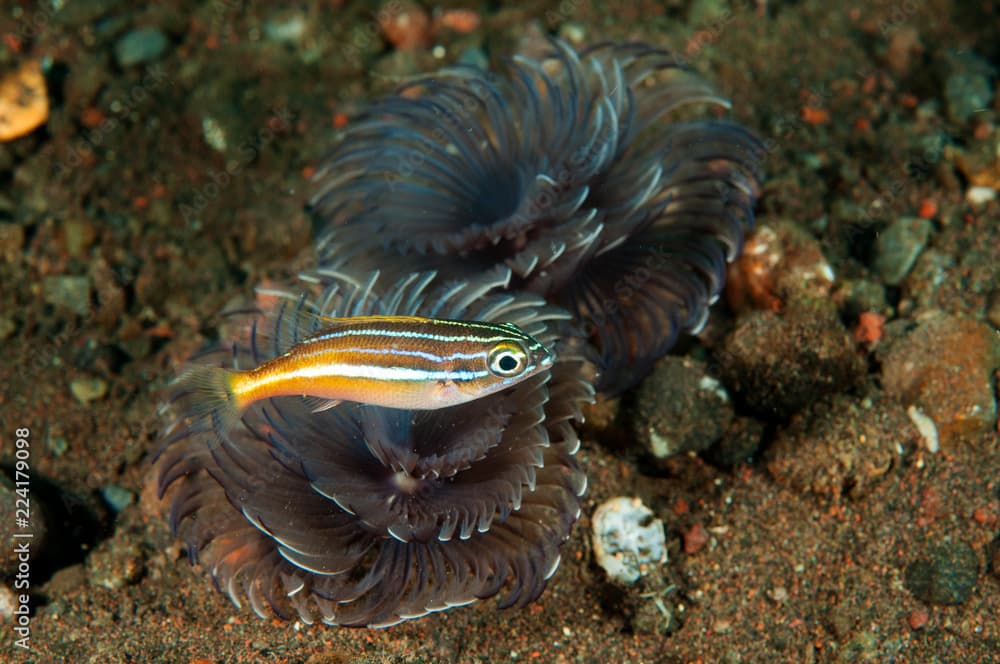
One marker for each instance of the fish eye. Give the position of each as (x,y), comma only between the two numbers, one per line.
(507,360)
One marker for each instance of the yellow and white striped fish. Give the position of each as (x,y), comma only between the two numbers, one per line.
(393,361)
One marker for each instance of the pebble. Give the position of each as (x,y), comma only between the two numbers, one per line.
(840,447)
(114,565)
(7,328)
(967,86)
(572,32)
(57,445)
(214,134)
(11,241)
(927,429)
(111,297)
(680,408)
(8,604)
(695,539)
(945,368)
(87,389)
(24,101)
(627,538)
(918,619)
(903,48)
(946,575)
(117,498)
(78,236)
(140,46)
(67,292)
(781,262)
(980,195)
(285,26)
(898,246)
(777,363)
(405,25)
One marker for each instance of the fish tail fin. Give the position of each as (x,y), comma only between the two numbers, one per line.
(208,393)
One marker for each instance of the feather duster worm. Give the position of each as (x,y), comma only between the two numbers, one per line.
(573,171)
(363,515)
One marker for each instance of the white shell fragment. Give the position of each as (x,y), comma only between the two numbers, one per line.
(925,425)
(627,537)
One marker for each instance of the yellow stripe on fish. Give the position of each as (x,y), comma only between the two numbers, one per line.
(392,361)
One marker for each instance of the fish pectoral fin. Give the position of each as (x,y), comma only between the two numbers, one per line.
(319,404)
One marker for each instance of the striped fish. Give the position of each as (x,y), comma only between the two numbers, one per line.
(392,361)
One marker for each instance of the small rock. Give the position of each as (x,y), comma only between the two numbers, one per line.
(140,46)
(214,134)
(117,498)
(777,363)
(114,565)
(24,101)
(903,47)
(285,26)
(627,539)
(462,21)
(926,427)
(947,575)
(898,246)
(8,604)
(980,195)
(918,619)
(967,87)
(405,25)
(7,328)
(840,447)
(680,408)
(69,293)
(11,242)
(945,367)
(111,298)
(78,236)
(695,539)
(574,33)
(780,263)
(57,445)
(88,389)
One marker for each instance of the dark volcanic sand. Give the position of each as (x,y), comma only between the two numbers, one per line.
(121,187)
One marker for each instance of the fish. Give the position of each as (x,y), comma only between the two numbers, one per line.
(402,362)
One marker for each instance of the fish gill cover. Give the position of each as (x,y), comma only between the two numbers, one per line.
(565,196)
